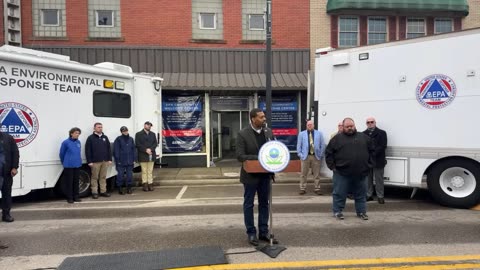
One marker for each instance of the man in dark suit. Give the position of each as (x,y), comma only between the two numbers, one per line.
(379,140)
(10,159)
(249,141)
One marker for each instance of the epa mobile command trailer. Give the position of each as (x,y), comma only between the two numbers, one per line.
(425,93)
(44,95)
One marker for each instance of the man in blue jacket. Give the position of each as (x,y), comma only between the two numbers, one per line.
(310,147)
(124,152)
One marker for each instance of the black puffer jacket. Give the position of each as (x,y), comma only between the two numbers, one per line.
(350,155)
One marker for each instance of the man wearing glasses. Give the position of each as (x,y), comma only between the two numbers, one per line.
(379,139)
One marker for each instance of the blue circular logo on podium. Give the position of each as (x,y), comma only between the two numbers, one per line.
(274,156)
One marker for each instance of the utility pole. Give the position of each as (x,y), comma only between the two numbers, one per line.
(268,64)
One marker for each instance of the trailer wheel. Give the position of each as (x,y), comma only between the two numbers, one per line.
(84,182)
(455,183)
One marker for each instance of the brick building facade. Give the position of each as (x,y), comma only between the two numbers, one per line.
(393,20)
(211,51)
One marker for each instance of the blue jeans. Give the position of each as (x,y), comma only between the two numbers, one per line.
(262,188)
(342,185)
(122,170)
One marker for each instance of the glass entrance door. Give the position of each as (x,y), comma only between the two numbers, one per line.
(225,127)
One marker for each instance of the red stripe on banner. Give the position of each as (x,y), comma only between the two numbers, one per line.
(285,131)
(182,133)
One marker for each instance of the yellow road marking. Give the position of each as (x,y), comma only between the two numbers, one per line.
(337,263)
(420,267)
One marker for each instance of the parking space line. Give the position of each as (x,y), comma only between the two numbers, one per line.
(411,263)
(180,194)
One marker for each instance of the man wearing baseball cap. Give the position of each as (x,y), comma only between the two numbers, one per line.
(146,142)
(124,153)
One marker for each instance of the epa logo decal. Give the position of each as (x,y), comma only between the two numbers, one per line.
(436,91)
(19,121)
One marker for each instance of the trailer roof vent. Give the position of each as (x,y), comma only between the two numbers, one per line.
(114,66)
(19,50)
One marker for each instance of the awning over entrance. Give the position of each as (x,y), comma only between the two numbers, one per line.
(232,81)
(457,6)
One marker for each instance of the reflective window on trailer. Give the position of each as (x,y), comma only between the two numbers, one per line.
(108,104)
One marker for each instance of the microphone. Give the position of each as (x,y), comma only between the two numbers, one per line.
(264,127)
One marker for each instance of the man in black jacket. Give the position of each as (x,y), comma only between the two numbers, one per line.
(146,142)
(9,157)
(349,156)
(249,141)
(99,157)
(379,140)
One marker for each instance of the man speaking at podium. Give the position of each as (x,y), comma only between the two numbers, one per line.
(249,141)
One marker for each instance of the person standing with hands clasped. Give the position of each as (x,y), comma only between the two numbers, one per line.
(99,157)
(310,147)
(379,139)
(146,142)
(124,153)
(350,156)
(71,158)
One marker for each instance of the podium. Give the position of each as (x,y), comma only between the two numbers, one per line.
(254,166)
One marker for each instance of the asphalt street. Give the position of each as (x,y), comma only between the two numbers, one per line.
(47,231)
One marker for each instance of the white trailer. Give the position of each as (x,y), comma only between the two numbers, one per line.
(425,93)
(44,95)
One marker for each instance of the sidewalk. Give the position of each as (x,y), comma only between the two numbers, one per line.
(211,176)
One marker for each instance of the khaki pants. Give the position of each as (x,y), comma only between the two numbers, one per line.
(313,163)
(147,172)
(99,175)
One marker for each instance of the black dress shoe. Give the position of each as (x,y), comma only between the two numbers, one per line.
(105,194)
(266,238)
(381,200)
(70,201)
(77,200)
(95,196)
(7,218)
(369,199)
(252,239)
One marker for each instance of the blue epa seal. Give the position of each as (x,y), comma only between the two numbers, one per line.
(436,91)
(274,156)
(19,121)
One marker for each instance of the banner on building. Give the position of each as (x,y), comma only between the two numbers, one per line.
(284,119)
(182,123)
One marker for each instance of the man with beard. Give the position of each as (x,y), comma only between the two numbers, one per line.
(349,155)
(146,142)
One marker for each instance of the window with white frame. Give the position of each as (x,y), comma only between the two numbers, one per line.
(415,27)
(105,18)
(348,31)
(50,17)
(208,21)
(443,25)
(256,22)
(377,30)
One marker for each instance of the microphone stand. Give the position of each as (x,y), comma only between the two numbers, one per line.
(272,250)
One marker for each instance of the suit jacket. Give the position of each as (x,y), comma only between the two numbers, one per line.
(379,140)
(12,156)
(303,145)
(247,149)
(144,141)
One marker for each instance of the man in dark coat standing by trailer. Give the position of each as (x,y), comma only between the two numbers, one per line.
(379,140)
